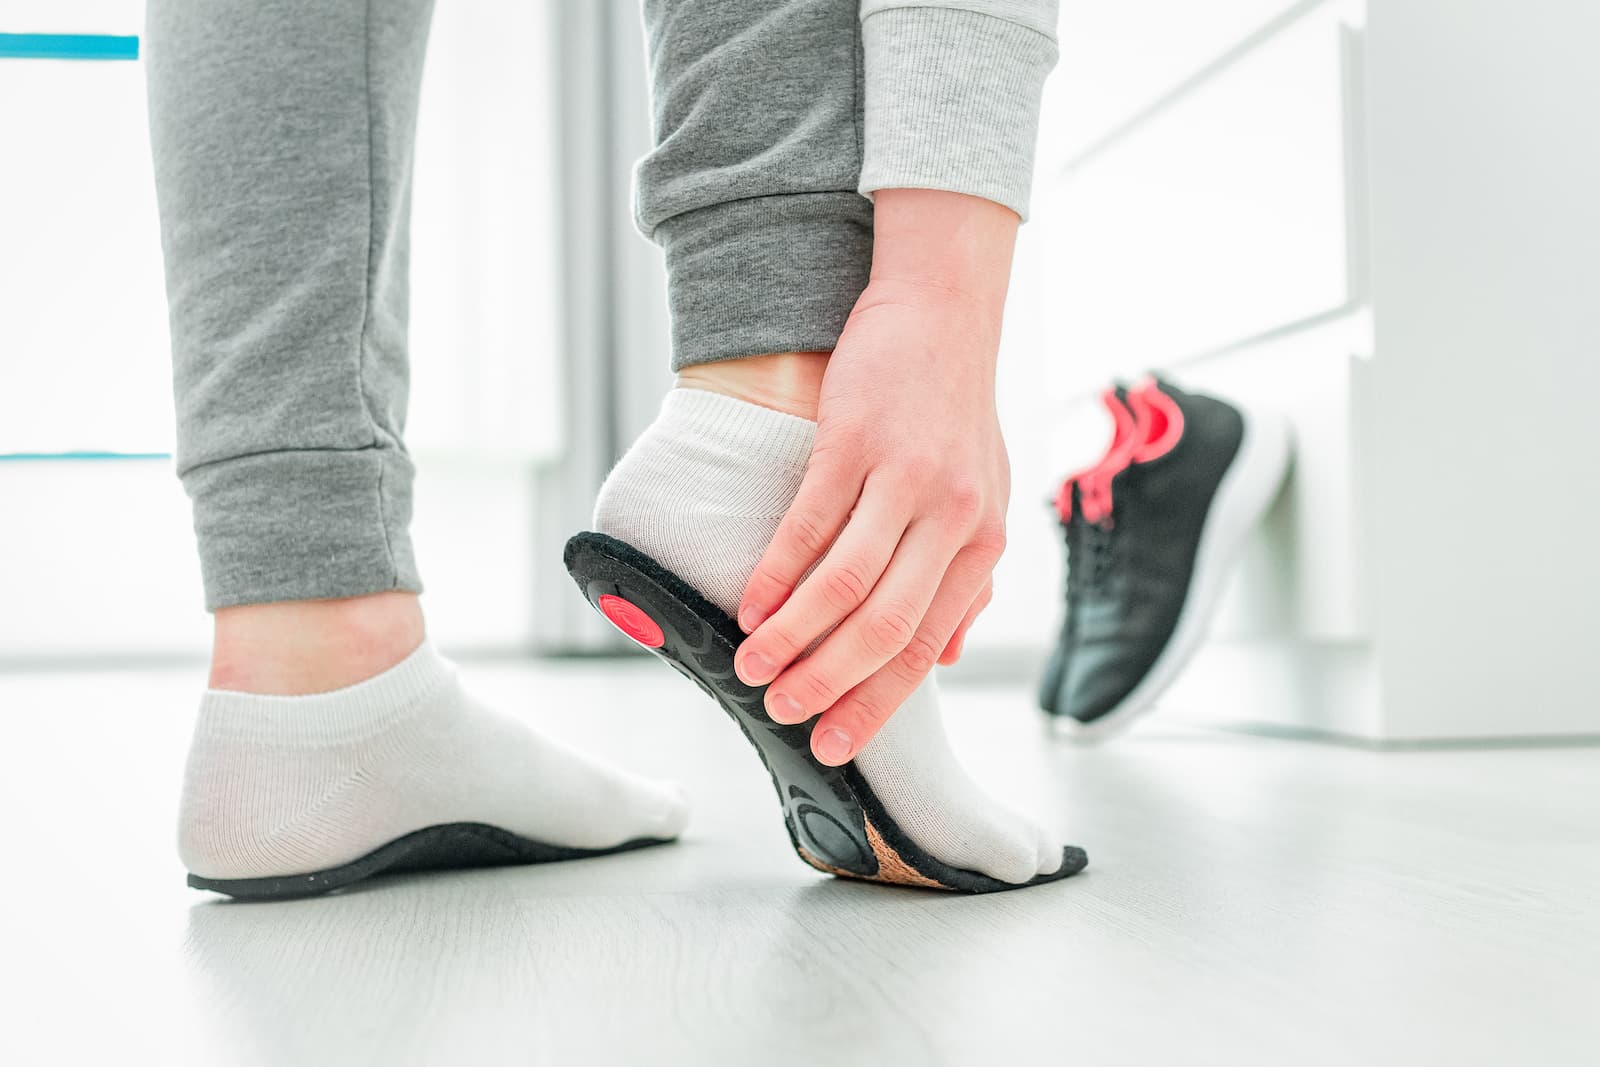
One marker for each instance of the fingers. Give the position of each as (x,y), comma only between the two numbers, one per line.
(830,489)
(958,640)
(840,584)
(875,633)
(853,720)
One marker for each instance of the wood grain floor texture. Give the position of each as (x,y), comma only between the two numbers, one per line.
(1249,901)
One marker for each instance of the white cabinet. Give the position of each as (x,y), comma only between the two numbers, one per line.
(1384,222)
(1215,218)
(1119,59)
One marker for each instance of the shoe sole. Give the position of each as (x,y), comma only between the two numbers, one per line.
(835,821)
(448,846)
(1243,496)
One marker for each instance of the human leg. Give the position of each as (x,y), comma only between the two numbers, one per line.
(751,192)
(282,134)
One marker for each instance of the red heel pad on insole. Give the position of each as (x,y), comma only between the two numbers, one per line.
(632,620)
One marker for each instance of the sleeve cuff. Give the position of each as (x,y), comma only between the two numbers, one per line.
(952,102)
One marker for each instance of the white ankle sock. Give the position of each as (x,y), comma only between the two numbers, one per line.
(702,491)
(280,785)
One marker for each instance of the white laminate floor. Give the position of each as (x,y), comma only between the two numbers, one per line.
(1248,901)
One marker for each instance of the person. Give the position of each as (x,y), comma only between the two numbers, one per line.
(837,190)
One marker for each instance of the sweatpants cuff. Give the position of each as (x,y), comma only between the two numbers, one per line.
(765,274)
(303,525)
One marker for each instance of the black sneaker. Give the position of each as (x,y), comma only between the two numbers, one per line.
(1152,531)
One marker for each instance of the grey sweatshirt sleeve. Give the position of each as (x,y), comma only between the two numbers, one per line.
(952,94)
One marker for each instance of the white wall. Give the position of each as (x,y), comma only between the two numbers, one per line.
(96,557)
(83,334)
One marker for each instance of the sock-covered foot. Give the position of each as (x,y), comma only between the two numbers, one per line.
(702,492)
(287,785)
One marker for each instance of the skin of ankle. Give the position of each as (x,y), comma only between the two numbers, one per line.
(784,381)
(313,646)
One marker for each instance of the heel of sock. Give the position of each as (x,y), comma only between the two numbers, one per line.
(239,818)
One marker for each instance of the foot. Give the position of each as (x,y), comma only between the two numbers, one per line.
(702,492)
(289,794)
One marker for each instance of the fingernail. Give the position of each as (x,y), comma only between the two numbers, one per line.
(785,709)
(833,746)
(756,669)
(750,618)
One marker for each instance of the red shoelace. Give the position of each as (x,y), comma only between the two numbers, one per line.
(1144,428)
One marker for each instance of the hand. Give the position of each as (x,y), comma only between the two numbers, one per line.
(902,510)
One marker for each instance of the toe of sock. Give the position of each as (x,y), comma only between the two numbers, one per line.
(1014,859)
(669,811)
(1051,854)
(1020,851)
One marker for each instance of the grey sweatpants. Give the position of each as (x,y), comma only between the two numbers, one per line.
(282,134)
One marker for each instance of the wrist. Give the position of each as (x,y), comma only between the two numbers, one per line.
(943,244)
(918,324)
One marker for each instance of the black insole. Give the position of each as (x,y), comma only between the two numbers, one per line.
(449,845)
(826,809)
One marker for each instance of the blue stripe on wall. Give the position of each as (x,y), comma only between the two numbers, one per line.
(67,46)
(31,456)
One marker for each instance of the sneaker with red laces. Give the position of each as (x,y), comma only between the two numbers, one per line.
(1152,531)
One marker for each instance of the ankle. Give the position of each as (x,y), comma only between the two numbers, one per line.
(313,646)
(784,381)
